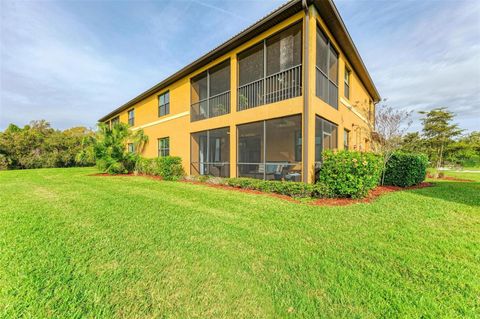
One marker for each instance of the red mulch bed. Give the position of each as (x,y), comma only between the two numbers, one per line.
(376,192)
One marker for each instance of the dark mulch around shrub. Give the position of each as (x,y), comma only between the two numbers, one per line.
(372,195)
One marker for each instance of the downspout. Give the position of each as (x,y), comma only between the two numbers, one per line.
(305,92)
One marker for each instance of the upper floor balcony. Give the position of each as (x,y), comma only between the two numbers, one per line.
(274,88)
(210,92)
(268,72)
(271,71)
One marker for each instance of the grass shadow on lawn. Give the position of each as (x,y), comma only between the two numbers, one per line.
(81,246)
(466,193)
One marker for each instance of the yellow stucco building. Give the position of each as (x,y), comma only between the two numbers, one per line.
(265,103)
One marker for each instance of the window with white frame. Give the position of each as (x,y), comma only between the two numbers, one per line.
(164,104)
(346,138)
(163,146)
(131,117)
(346,82)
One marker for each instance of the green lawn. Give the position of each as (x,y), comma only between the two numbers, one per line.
(79,246)
(463,175)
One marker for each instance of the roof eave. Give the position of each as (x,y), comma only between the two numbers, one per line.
(258,27)
(329,14)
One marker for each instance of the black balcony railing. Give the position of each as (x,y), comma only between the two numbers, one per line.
(276,87)
(214,106)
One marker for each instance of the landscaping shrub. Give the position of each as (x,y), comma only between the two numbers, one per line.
(293,189)
(145,166)
(168,167)
(349,174)
(405,169)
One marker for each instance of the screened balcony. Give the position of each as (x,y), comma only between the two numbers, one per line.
(326,70)
(210,93)
(210,152)
(271,149)
(271,71)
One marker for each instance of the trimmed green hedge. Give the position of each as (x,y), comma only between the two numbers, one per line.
(293,189)
(405,169)
(349,174)
(168,167)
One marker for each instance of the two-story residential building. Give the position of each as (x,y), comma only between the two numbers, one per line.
(265,103)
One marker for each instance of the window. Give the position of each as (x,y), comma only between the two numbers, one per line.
(210,152)
(271,149)
(210,92)
(164,104)
(371,112)
(325,137)
(346,138)
(271,70)
(327,70)
(115,120)
(163,146)
(131,117)
(131,147)
(346,81)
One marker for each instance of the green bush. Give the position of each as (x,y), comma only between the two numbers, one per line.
(405,169)
(349,174)
(293,189)
(168,167)
(145,166)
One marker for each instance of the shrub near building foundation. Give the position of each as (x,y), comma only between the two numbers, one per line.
(168,167)
(349,174)
(404,169)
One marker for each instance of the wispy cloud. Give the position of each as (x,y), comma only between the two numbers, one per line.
(422,54)
(51,67)
(72,62)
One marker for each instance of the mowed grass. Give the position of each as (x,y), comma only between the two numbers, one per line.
(463,175)
(80,246)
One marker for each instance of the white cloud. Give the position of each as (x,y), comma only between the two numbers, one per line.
(71,63)
(52,69)
(430,56)
(57,64)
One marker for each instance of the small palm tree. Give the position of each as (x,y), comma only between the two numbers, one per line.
(108,149)
(139,140)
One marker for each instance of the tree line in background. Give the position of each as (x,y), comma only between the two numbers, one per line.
(38,145)
(443,141)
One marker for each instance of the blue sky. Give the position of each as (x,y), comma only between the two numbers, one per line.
(70,62)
